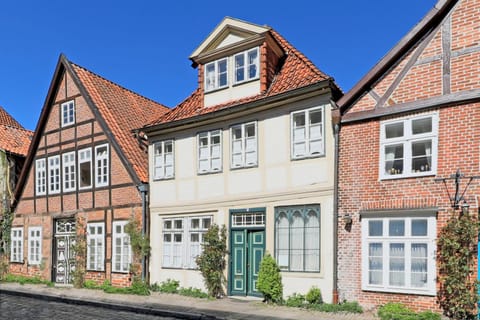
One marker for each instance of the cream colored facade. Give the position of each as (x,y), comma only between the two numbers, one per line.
(276,181)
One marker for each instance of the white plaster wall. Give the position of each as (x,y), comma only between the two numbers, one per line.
(233,92)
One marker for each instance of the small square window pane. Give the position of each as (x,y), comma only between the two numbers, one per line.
(206,223)
(167,224)
(178,224)
(177,237)
(422,125)
(195,223)
(167,237)
(419,227)
(250,130)
(299,120)
(375,228)
(394,130)
(237,133)
(194,237)
(315,116)
(396,228)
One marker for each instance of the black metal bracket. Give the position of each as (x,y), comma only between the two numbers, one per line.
(457,197)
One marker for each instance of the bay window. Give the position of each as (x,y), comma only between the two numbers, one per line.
(408,146)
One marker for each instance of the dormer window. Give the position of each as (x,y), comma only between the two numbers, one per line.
(216,74)
(246,65)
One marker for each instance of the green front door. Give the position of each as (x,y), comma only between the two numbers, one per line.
(248,247)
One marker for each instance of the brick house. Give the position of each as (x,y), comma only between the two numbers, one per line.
(84,165)
(252,148)
(14,143)
(414,117)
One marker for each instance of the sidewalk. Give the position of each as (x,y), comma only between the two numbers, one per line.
(170,305)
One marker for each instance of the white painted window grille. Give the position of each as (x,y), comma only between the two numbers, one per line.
(122,256)
(164,160)
(41,177)
(246,65)
(209,151)
(68,113)
(216,74)
(244,145)
(101,165)
(246,219)
(399,254)
(34,245)
(308,133)
(182,240)
(16,249)
(54,175)
(69,177)
(408,146)
(95,246)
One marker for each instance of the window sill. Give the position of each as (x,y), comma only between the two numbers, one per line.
(236,84)
(245,167)
(314,156)
(92,270)
(411,175)
(216,89)
(163,179)
(17,262)
(425,292)
(209,172)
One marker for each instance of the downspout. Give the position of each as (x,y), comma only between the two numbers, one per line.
(143,188)
(336,130)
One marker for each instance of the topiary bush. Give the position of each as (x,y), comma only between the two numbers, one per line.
(212,262)
(270,280)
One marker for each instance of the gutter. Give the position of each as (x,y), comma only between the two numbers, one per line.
(336,130)
(143,188)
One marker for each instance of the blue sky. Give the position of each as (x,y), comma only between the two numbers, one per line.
(144,45)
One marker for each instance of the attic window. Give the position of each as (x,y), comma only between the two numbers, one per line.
(68,113)
(216,74)
(246,65)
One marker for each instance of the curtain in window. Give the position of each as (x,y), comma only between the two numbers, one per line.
(397,264)
(375,263)
(419,264)
(299,134)
(216,153)
(315,131)
(250,145)
(282,240)
(312,242)
(296,242)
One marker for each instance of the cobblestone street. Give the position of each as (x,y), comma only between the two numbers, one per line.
(17,307)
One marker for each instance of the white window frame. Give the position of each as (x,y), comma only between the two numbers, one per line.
(163,161)
(406,142)
(122,254)
(54,175)
(216,75)
(308,140)
(244,145)
(34,245)
(102,166)
(68,113)
(16,245)
(87,154)
(246,65)
(407,240)
(69,172)
(212,162)
(182,254)
(98,239)
(41,177)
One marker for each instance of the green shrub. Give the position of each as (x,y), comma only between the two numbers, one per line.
(314,296)
(296,300)
(168,286)
(352,307)
(397,311)
(270,280)
(192,292)
(23,279)
(212,262)
(90,284)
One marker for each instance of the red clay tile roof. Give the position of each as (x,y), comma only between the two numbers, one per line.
(297,71)
(123,111)
(13,137)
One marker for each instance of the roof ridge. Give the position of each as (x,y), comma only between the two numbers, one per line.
(118,85)
(11,120)
(284,42)
(16,128)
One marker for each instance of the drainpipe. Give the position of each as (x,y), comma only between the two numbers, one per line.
(336,130)
(143,188)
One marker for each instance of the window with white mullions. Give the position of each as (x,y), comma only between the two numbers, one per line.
(16,245)
(34,245)
(246,65)
(95,246)
(69,178)
(40,177)
(216,74)
(85,168)
(101,165)
(399,254)
(122,256)
(308,133)
(409,146)
(297,238)
(163,160)
(54,174)
(244,145)
(68,113)
(209,151)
